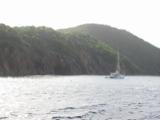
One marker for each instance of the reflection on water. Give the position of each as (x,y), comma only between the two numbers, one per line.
(79,98)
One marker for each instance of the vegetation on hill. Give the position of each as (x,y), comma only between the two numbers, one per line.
(41,50)
(140,53)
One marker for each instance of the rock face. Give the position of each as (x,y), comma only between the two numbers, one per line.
(140,53)
(41,51)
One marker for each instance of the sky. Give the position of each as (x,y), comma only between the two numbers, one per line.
(140,17)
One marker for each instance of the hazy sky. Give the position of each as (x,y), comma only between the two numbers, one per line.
(141,17)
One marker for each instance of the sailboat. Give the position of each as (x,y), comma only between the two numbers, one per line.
(117,74)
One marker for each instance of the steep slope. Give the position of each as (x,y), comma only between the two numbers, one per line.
(40,50)
(139,52)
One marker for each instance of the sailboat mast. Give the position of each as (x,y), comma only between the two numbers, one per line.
(118,63)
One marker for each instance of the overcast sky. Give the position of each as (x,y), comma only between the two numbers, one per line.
(141,17)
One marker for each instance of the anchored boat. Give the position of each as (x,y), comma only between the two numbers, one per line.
(117,74)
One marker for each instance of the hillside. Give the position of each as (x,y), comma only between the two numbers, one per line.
(41,50)
(137,51)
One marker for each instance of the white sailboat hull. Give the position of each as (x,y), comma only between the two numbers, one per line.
(117,75)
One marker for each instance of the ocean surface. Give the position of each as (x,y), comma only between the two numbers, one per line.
(80,98)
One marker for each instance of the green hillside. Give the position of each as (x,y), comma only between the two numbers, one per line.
(136,50)
(41,50)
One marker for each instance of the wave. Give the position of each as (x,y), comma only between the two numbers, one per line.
(82,112)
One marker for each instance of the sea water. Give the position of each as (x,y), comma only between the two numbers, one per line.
(80,98)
